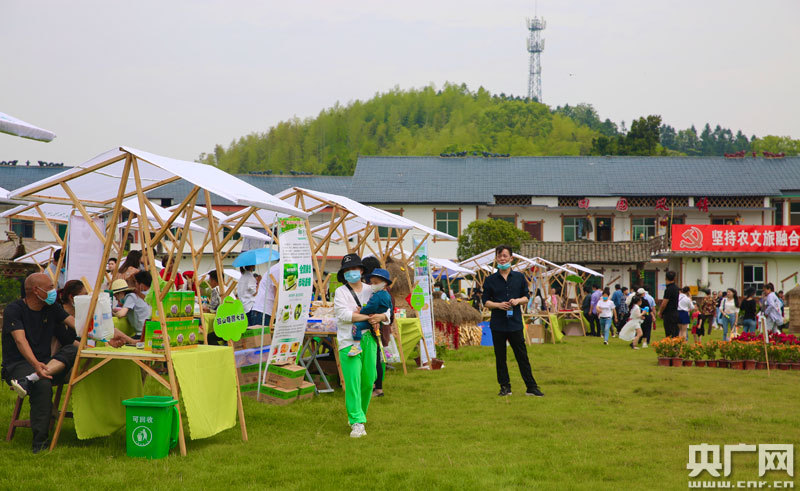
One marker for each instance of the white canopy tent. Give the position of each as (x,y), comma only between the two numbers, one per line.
(39,256)
(13,126)
(152,210)
(583,269)
(448,268)
(55,213)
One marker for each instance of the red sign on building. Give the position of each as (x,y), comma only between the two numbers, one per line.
(735,238)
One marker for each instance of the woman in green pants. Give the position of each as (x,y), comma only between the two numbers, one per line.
(359,371)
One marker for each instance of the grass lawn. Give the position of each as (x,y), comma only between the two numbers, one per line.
(611,419)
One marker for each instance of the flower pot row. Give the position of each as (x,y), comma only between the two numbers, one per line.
(723,363)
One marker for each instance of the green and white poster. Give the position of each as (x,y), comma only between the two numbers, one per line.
(294,292)
(421,296)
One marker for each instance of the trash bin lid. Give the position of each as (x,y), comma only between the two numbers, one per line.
(150,401)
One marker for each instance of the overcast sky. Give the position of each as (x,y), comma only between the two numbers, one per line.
(176,77)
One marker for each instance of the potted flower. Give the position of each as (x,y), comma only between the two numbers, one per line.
(736,355)
(697,355)
(783,355)
(724,359)
(710,350)
(761,360)
(688,353)
(746,351)
(793,353)
(676,346)
(663,352)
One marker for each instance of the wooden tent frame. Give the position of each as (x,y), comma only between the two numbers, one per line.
(81,369)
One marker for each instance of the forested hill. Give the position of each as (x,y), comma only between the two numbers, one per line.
(406,122)
(427,121)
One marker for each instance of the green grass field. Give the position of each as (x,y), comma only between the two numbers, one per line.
(611,419)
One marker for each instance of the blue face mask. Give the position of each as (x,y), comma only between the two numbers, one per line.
(51,296)
(503,267)
(352,276)
(605,297)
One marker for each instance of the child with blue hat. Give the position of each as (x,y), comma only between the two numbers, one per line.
(379,302)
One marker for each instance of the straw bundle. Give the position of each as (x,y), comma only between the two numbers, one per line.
(793,297)
(464,313)
(442,311)
(401,278)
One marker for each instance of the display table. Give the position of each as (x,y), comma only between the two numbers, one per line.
(206,375)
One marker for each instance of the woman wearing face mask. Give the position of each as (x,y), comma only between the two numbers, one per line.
(729,307)
(359,371)
(437,291)
(606,311)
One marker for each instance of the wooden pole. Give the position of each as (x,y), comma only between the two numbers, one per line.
(92,304)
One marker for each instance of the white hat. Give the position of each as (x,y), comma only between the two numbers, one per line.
(641,291)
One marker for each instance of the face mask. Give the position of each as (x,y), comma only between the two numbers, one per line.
(376,288)
(437,289)
(503,267)
(51,297)
(605,298)
(352,276)
(144,292)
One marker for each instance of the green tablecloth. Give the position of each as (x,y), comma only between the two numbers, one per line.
(123,325)
(96,400)
(410,335)
(206,376)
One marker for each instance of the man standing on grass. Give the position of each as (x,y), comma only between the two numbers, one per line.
(504,292)
(594,320)
(669,306)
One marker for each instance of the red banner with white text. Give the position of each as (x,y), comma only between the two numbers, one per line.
(735,238)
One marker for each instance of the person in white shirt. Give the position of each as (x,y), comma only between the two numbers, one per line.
(606,311)
(685,307)
(632,330)
(265,298)
(246,292)
(359,371)
(729,308)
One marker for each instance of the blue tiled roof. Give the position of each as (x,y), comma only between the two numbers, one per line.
(478,179)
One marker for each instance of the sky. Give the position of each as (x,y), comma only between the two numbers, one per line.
(177,77)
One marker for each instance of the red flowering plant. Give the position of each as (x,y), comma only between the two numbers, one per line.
(774,338)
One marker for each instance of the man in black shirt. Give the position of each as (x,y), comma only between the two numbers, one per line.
(668,309)
(29,326)
(504,292)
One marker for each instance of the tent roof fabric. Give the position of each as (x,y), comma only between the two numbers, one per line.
(132,204)
(39,256)
(583,269)
(54,212)
(100,186)
(17,127)
(369,214)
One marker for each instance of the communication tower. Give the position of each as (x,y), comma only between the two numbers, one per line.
(535,47)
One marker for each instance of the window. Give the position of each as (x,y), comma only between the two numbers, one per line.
(23,228)
(226,231)
(512,219)
(62,231)
(794,213)
(778,212)
(723,220)
(644,279)
(643,228)
(447,221)
(534,229)
(166,202)
(677,220)
(383,232)
(603,229)
(573,228)
(753,276)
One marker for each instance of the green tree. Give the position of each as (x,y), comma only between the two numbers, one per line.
(777,144)
(482,235)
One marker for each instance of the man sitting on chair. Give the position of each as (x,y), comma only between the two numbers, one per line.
(29,326)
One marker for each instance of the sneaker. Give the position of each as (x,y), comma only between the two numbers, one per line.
(504,391)
(21,386)
(631,345)
(605,342)
(534,392)
(635,347)
(358,430)
(39,448)
(644,345)
(355,350)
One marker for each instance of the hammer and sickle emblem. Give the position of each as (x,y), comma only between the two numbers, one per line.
(692,239)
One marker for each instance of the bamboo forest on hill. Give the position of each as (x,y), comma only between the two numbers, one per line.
(428,121)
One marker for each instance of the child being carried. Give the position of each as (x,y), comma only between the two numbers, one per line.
(379,302)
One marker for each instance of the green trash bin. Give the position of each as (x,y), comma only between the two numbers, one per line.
(151,426)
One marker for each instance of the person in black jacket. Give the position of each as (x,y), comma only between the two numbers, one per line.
(586,308)
(505,292)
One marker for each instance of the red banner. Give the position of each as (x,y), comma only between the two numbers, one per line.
(735,238)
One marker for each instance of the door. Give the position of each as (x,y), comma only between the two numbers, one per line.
(644,279)
(603,229)
(534,229)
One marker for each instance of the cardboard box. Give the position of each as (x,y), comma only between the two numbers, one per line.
(306,391)
(187,304)
(535,333)
(285,375)
(251,338)
(183,333)
(248,375)
(279,396)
